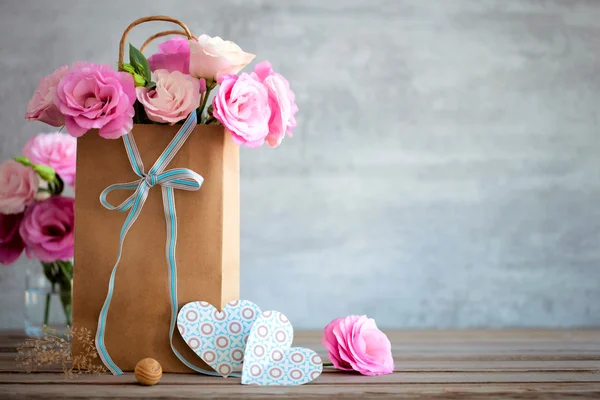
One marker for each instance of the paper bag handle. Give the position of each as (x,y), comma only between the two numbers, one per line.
(161,34)
(138,21)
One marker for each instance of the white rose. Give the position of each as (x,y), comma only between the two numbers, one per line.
(213,57)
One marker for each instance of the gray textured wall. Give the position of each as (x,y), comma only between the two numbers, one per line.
(445,171)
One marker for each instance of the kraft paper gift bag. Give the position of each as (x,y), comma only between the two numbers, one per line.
(207,245)
(157,198)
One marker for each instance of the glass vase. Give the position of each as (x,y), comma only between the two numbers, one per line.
(48,298)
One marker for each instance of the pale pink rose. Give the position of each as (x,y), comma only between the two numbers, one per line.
(56,150)
(94,96)
(18,186)
(175,96)
(242,106)
(213,57)
(47,229)
(355,343)
(282,102)
(41,107)
(173,55)
(11,244)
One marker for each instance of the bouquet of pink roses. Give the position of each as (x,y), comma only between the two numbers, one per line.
(255,108)
(158,105)
(34,215)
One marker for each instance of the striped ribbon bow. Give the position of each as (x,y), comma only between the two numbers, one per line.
(177,178)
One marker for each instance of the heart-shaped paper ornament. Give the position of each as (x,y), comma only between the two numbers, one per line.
(269,359)
(218,337)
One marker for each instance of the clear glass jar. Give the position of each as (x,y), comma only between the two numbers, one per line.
(47,304)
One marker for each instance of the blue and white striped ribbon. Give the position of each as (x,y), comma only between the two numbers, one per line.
(177,178)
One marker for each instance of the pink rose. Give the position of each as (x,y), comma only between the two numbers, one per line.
(93,96)
(213,57)
(175,96)
(282,102)
(56,150)
(355,343)
(242,106)
(173,55)
(47,229)
(11,244)
(41,107)
(18,186)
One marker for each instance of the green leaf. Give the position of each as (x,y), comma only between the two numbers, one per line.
(139,63)
(150,85)
(66,268)
(51,271)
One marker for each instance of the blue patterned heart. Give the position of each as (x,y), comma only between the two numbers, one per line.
(269,359)
(218,337)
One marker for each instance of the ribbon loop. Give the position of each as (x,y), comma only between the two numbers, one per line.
(177,178)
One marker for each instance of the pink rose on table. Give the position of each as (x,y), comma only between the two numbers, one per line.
(11,244)
(173,55)
(213,57)
(47,229)
(18,186)
(56,150)
(282,102)
(41,107)
(94,96)
(175,96)
(242,106)
(355,343)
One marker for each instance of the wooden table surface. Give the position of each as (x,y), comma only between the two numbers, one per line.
(472,364)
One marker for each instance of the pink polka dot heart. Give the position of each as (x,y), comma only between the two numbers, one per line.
(270,359)
(218,337)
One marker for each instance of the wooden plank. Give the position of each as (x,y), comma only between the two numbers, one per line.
(455,364)
(435,391)
(330,377)
(475,364)
(408,339)
(461,365)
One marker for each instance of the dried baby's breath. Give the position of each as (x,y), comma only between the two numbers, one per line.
(86,360)
(54,349)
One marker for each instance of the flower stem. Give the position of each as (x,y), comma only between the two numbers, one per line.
(65,284)
(59,273)
(327,364)
(209,88)
(47,309)
(65,299)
